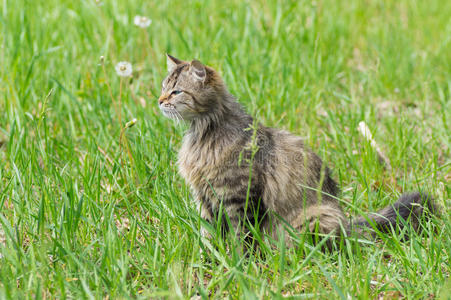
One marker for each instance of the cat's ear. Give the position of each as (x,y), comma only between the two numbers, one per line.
(172,62)
(198,70)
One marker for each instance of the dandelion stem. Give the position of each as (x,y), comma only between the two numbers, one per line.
(120,102)
(120,116)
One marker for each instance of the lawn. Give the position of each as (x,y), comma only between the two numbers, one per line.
(91,208)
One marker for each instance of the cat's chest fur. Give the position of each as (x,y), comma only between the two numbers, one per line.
(202,162)
(192,162)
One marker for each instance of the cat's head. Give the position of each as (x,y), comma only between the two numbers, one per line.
(190,90)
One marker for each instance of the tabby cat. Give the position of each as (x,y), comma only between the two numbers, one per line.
(242,172)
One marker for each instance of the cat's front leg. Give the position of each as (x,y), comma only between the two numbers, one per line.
(230,221)
(234,218)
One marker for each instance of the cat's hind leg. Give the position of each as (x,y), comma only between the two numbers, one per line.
(321,220)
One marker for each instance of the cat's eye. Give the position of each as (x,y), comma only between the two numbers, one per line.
(176,92)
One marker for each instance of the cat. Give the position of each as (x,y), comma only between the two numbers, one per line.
(242,172)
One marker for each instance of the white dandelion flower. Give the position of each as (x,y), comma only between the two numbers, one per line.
(124,69)
(142,21)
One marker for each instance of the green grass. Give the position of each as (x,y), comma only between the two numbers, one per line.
(83,218)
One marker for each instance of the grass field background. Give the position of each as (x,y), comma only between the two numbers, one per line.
(84,217)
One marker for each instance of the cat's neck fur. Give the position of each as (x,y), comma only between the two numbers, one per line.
(227,120)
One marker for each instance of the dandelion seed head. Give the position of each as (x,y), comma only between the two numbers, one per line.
(124,69)
(142,21)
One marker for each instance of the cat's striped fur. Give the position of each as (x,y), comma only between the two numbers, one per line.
(287,179)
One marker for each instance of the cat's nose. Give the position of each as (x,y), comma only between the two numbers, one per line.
(162,99)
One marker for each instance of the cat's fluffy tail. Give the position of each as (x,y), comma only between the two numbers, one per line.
(410,208)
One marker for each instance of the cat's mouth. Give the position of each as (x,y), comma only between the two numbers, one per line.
(169,111)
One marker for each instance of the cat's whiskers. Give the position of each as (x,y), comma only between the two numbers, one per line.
(176,118)
(179,116)
(175,115)
(172,114)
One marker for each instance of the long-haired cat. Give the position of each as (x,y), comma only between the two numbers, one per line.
(251,173)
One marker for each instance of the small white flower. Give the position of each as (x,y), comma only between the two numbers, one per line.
(142,21)
(124,69)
